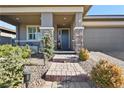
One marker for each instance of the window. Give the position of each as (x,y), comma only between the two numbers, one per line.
(33,33)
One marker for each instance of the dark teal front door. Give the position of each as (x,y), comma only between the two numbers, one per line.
(65,39)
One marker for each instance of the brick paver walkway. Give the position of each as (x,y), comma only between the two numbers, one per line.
(66,75)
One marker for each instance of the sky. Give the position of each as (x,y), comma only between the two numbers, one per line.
(4,24)
(94,10)
(106,10)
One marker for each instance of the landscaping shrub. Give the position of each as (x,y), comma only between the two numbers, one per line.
(107,75)
(84,54)
(5,50)
(11,65)
(48,47)
(26,51)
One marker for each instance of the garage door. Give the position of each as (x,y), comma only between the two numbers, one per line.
(104,39)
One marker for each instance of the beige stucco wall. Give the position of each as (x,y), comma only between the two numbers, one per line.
(104,39)
(47,19)
(23,32)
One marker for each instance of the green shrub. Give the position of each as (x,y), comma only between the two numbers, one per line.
(11,72)
(11,66)
(48,47)
(84,54)
(6,50)
(107,75)
(26,52)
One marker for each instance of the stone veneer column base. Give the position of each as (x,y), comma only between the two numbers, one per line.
(78,38)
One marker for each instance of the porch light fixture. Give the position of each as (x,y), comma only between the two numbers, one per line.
(64,24)
(17,18)
(65,18)
(27,76)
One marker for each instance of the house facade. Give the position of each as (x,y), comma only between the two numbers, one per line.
(69,26)
(7,36)
(65,23)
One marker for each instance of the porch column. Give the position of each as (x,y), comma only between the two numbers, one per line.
(18,34)
(47,24)
(78,32)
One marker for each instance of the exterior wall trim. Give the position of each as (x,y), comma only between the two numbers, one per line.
(78,28)
(103,23)
(27,40)
(40,9)
(51,28)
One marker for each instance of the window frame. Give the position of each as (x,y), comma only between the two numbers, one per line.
(27,32)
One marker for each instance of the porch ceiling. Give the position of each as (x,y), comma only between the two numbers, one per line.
(59,19)
(22,18)
(63,19)
(25,19)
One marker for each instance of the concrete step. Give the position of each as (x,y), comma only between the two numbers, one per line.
(64,52)
(65,58)
(72,78)
(66,72)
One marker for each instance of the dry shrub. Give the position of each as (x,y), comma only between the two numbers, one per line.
(84,54)
(107,75)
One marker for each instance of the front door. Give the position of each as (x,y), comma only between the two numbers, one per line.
(64,39)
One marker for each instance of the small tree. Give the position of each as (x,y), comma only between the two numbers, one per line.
(48,47)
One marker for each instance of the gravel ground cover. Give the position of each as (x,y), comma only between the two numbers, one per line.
(37,68)
(94,59)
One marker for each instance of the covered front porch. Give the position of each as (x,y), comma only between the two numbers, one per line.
(64,30)
(65,24)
